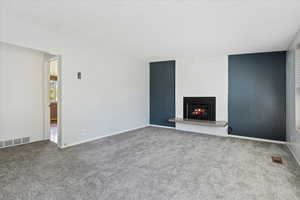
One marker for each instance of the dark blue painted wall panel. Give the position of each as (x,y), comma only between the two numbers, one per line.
(256,104)
(162,93)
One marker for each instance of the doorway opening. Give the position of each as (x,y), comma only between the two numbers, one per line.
(297,86)
(53,99)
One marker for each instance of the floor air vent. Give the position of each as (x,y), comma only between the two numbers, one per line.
(277,159)
(14,142)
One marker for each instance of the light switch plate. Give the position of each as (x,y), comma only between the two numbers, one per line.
(78,75)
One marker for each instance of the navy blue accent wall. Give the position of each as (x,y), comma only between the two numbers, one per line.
(162,93)
(256,100)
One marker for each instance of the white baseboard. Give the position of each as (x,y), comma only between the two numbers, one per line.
(293,153)
(158,126)
(173,128)
(103,136)
(256,139)
(227,135)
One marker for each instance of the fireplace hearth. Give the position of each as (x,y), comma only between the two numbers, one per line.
(199,108)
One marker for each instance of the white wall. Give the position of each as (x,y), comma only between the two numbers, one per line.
(293,135)
(112,95)
(21,93)
(203,76)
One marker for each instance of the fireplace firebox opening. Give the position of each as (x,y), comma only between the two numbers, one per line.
(199,108)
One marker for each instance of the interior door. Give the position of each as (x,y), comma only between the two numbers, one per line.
(256,104)
(162,93)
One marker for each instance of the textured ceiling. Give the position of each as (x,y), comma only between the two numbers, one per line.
(170,28)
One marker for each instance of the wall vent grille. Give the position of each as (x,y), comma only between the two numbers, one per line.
(26,140)
(14,142)
(17,141)
(8,143)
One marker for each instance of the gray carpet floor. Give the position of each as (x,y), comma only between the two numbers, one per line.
(150,163)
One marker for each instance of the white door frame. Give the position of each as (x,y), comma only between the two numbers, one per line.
(48,57)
